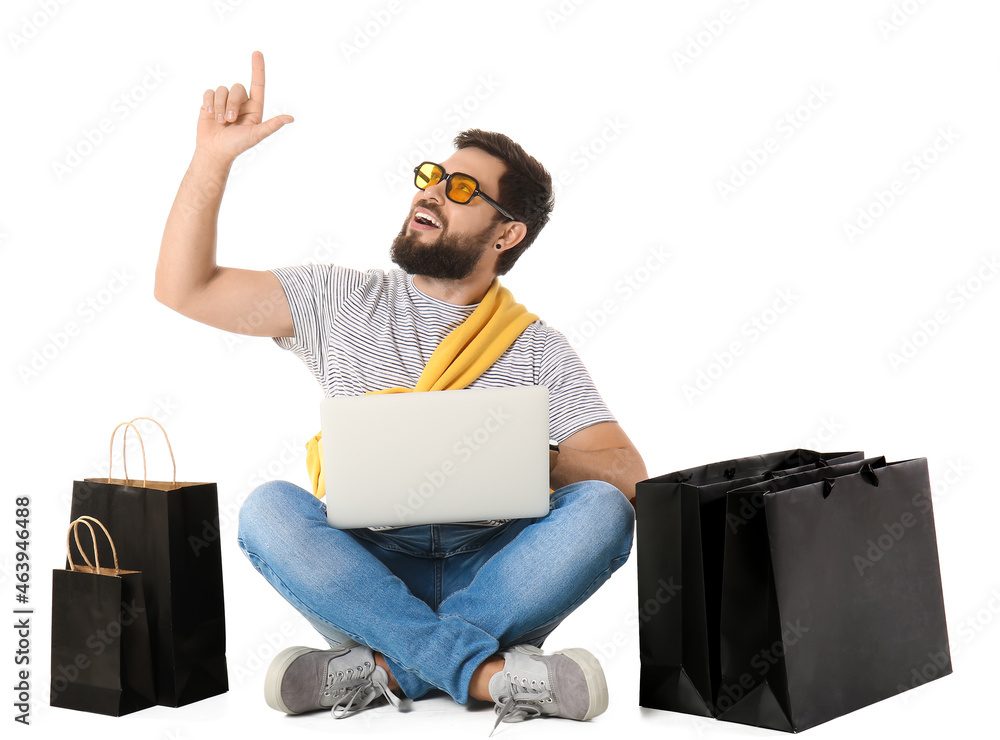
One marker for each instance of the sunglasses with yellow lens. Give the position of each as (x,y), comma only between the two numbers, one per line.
(459,187)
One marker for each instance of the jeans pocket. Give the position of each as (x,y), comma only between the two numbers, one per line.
(407,540)
(456,539)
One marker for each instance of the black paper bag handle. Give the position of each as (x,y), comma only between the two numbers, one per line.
(867,473)
(828,484)
(85,521)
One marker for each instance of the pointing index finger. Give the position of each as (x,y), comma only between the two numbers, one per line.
(257,79)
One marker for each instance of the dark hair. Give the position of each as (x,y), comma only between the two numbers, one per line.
(525,187)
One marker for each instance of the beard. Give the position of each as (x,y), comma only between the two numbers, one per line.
(449,257)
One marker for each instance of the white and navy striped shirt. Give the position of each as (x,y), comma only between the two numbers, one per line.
(365,331)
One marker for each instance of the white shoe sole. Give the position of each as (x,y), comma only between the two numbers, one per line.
(597,684)
(276,671)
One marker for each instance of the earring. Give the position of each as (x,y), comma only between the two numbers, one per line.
(499,247)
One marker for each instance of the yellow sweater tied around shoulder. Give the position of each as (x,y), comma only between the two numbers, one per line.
(465,354)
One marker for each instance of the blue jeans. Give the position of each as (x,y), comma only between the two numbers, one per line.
(437,600)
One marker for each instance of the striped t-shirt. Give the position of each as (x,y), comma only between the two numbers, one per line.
(365,331)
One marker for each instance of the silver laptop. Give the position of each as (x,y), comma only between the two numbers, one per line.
(401,459)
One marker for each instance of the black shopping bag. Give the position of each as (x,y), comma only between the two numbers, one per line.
(680,534)
(832,594)
(100,640)
(170,532)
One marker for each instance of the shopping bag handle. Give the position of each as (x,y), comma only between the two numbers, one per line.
(85,521)
(869,475)
(72,529)
(111,452)
(165,439)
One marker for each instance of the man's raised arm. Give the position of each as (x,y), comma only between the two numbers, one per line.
(188,279)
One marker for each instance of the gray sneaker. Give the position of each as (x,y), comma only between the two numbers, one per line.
(569,683)
(302,679)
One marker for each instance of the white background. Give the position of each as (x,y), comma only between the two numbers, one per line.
(640,139)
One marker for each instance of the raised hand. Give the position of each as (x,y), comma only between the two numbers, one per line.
(231,122)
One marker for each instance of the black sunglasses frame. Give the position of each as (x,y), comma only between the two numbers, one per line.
(446,177)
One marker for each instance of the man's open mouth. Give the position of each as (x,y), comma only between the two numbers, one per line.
(423,219)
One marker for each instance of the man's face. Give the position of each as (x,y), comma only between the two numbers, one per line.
(452,250)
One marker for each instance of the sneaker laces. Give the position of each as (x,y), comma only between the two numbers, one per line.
(521,701)
(354,689)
